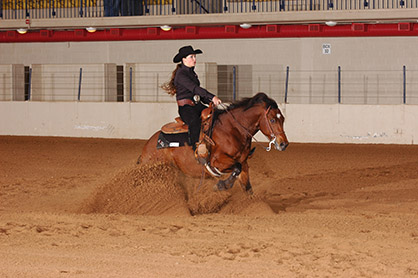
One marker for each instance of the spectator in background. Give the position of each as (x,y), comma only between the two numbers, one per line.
(136,7)
(123,7)
(117,7)
(108,7)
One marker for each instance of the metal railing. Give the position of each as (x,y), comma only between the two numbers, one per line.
(20,9)
(353,86)
(284,84)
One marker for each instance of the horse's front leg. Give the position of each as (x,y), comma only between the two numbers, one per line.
(229,182)
(244,178)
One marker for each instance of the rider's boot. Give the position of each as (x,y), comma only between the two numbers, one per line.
(202,153)
(251,152)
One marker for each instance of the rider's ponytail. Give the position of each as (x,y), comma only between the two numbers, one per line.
(169,85)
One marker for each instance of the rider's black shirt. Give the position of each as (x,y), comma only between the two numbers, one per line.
(188,85)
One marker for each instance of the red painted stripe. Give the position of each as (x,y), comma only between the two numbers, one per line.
(216,32)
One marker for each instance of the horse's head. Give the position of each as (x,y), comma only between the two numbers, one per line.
(271,125)
(267,118)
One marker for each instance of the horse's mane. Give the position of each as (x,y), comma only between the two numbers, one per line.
(249,102)
(246,103)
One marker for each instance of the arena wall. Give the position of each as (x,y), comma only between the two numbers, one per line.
(310,122)
(333,123)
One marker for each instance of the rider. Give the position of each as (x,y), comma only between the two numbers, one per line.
(185,85)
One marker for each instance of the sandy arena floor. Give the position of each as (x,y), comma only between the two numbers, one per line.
(83,208)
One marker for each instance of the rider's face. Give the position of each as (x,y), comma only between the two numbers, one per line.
(190,60)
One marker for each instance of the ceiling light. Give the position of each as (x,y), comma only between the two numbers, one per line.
(245,26)
(91,29)
(166,27)
(331,23)
(22,31)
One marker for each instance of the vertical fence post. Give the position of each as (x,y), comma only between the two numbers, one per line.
(81,8)
(404,84)
(158,82)
(79,84)
(30,83)
(339,84)
(286,84)
(53,8)
(15,9)
(26,9)
(234,81)
(130,84)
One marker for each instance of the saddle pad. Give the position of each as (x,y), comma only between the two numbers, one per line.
(175,127)
(172,140)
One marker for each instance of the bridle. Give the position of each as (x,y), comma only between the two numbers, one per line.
(273,139)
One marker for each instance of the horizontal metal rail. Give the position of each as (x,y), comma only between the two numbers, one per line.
(22,9)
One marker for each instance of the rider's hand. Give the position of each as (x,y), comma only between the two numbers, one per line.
(216,100)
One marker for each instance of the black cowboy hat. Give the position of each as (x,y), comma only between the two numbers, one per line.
(184,52)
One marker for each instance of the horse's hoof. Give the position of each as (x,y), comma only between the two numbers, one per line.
(220,186)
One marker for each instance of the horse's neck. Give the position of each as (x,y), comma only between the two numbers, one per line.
(248,119)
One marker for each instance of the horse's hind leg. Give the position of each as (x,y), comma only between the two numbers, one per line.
(229,182)
(150,153)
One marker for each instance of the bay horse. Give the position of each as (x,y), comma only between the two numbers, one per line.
(232,133)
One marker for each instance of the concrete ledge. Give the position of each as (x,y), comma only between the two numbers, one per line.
(336,123)
(380,124)
(85,119)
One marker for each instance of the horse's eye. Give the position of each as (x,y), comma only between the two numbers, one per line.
(273,121)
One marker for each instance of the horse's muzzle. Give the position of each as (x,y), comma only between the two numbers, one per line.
(282,146)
